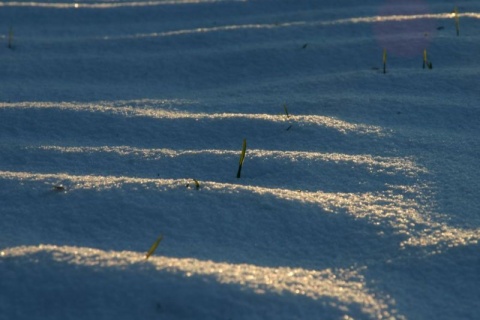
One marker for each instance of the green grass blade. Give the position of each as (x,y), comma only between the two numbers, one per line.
(197,184)
(384,60)
(424,58)
(242,158)
(154,247)
(457,21)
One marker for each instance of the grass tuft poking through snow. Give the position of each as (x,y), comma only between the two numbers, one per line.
(154,247)
(242,158)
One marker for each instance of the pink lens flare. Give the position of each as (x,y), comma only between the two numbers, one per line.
(402,29)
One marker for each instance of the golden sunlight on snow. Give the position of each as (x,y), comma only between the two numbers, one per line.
(156,113)
(354,20)
(109,5)
(122,123)
(394,164)
(344,286)
(387,208)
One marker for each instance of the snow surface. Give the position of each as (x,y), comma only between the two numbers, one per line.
(362,204)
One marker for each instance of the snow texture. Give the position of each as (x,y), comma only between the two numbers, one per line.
(359,195)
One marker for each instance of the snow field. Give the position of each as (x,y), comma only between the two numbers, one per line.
(365,208)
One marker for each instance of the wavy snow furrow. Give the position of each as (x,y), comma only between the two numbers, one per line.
(107,5)
(265,26)
(155,113)
(389,209)
(89,181)
(395,164)
(346,286)
(355,20)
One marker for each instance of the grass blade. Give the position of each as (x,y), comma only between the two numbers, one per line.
(286,110)
(197,184)
(424,58)
(457,21)
(154,247)
(242,157)
(384,60)
(10,38)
